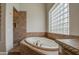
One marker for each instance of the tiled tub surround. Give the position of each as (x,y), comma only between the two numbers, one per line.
(40,45)
(70,46)
(29,34)
(60,40)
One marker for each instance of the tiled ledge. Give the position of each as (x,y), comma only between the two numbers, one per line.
(70,48)
(61,36)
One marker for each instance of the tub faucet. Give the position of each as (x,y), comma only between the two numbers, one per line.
(37,43)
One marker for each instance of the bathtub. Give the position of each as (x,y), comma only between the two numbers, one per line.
(41,45)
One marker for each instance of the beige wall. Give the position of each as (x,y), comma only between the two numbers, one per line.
(2,41)
(35,17)
(48,7)
(74,18)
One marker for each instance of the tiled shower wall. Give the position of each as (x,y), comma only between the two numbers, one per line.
(19,22)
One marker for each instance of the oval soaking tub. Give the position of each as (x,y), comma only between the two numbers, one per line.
(41,44)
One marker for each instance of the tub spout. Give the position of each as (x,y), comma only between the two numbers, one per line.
(37,43)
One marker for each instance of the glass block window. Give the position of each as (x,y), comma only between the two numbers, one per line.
(59,18)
